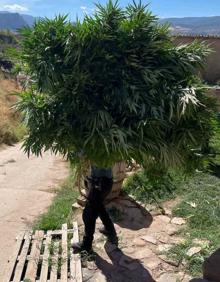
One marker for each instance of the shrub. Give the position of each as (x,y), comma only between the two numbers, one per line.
(114,87)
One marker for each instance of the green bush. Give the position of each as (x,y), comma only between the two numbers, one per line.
(149,187)
(199,205)
(114,87)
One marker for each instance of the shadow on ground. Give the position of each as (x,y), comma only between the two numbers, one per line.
(143,239)
(214,169)
(123,268)
(129,214)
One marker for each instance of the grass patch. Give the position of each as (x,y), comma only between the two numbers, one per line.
(200,205)
(193,264)
(143,189)
(61,209)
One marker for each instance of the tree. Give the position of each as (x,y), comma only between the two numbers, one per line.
(114,87)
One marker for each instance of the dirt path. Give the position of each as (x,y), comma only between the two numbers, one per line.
(26,190)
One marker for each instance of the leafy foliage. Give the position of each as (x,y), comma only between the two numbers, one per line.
(114,87)
(148,187)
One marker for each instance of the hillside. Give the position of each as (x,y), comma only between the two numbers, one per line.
(11,129)
(7,40)
(15,21)
(194,25)
(11,21)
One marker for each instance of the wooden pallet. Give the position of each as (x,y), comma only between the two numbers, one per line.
(41,257)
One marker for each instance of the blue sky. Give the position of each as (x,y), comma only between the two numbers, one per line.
(162,8)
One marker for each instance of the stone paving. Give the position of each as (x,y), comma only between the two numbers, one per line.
(143,239)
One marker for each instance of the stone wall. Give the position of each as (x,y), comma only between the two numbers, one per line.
(212,69)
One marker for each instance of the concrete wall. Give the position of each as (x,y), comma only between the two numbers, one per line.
(212,69)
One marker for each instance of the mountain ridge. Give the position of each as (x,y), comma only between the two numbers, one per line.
(15,21)
(194,25)
(185,25)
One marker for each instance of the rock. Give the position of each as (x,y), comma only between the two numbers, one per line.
(149,207)
(76,206)
(149,239)
(172,229)
(184,277)
(184,262)
(164,248)
(99,237)
(192,251)
(152,263)
(168,277)
(99,277)
(169,261)
(91,265)
(100,245)
(155,212)
(163,238)
(87,274)
(211,267)
(128,250)
(167,211)
(128,263)
(163,218)
(201,242)
(81,201)
(178,221)
(139,242)
(143,253)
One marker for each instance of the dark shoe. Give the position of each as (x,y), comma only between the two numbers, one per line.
(81,248)
(112,238)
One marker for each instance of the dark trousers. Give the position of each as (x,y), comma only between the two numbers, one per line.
(98,189)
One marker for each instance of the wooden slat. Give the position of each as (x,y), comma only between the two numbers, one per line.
(29,257)
(34,256)
(45,260)
(11,262)
(22,258)
(59,232)
(64,259)
(53,274)
(75,262)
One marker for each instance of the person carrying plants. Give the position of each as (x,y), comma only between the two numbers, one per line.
(99,185)
(116,86)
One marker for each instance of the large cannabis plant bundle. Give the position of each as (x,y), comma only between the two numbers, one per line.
(114,87)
